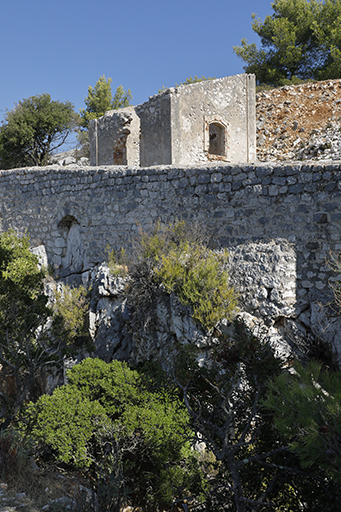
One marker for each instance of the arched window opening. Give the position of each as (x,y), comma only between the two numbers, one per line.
(216,139)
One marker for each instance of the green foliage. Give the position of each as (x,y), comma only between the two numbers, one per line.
(300,40)
(65,421)
(117,262)
(99,100)
(224,396)
(114,385)
(108,420)
(69,316)
(33,129)
(121,98)
(196,274)
(306,408)
(24,347)
(29,346)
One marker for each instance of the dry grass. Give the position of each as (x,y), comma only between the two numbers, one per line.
(40,487)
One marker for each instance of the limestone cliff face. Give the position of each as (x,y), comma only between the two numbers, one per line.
(301,122)
(264,275)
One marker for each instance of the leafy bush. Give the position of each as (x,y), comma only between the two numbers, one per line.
(108,420)
(65,421)
(25,348)
(29,346)
(195,274)
(69,316)
(306,408)
(179,259)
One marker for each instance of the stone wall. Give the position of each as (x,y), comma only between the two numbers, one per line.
(186,125)
(115,138)
(175,123)
(75,214)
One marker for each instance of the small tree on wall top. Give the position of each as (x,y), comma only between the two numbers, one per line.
(100,99)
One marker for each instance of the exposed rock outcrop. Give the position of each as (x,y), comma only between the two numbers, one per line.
(301,122)
(73,157)
(265,276)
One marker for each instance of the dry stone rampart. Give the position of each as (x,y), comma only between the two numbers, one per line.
(76,213)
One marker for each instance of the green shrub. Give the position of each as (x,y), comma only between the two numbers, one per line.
(178,257)
(26,349)
(69,316)
(108,420)
(65,422)
(117,262)
(306,408)
(197,277)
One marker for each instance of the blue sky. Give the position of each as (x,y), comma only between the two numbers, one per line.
(63,47)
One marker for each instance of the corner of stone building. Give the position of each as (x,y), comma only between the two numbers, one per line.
(251,117)
(93,142)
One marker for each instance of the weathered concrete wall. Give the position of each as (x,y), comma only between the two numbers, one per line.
(115,138)
(76,213)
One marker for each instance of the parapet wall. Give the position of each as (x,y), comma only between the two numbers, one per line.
(76,213)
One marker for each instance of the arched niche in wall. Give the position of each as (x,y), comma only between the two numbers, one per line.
(216,138)
(73,251)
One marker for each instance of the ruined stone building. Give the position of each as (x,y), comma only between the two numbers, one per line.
(190,124)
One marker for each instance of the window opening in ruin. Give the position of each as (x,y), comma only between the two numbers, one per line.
(120,148)
(216,139)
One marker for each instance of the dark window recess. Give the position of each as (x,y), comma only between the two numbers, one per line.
(217,139)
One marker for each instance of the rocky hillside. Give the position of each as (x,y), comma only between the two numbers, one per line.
(301,122)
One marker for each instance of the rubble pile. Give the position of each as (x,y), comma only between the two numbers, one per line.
(300,122)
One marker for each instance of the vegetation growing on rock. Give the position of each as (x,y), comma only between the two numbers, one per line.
(268,437)
(125,429)
(182,263)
